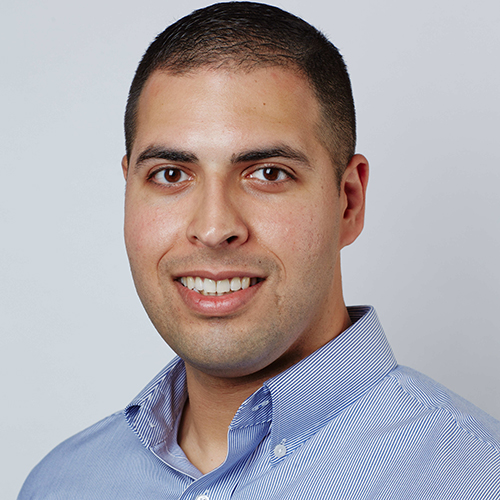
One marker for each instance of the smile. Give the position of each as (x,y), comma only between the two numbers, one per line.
(206,286)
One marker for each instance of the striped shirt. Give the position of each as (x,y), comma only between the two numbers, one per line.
(344,423)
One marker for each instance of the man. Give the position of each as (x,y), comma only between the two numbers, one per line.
(242,187)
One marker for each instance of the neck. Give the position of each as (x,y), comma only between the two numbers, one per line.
(213,401)
(209,410)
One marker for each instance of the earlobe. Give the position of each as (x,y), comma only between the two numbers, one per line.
(125,166)
(353,196)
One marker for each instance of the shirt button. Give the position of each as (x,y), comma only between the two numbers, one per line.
(279,451)
(202,497)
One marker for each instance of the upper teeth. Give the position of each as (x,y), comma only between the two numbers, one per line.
(207,286)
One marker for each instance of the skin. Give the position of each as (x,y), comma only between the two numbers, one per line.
(200,202)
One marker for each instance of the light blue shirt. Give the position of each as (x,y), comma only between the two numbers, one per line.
(345,423)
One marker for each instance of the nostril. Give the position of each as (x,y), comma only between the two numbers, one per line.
(216,226)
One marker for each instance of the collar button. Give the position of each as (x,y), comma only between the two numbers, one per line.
(279,450)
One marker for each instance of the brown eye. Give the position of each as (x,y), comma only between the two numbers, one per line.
(170,176)
(270,174)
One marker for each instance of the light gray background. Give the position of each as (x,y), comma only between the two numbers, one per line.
(76,344)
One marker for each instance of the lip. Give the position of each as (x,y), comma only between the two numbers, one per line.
(217,306)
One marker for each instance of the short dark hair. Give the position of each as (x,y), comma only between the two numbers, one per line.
(248,35)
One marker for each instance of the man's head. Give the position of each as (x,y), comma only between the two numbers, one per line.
(234,212)
(246,36)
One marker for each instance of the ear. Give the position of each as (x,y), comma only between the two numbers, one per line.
(125,166)
(352,199)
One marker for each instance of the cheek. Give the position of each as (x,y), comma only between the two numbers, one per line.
(302,236)
(149,233)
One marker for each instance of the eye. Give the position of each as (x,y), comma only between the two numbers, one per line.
(270,174)
(169,175)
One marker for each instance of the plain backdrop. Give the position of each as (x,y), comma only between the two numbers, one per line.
(76,344)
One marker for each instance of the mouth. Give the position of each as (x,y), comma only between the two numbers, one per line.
(217,288)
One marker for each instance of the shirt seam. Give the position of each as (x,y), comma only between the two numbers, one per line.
(251,425)
(443,409)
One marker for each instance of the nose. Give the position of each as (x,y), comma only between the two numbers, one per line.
(217,221)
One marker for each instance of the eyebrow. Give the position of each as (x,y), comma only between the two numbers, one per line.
(161,153)
(175,155)
(280,151)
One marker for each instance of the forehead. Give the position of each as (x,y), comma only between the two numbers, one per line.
(223,104)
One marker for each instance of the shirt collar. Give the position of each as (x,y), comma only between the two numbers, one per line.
(298,401)
(319,387)
(153,413)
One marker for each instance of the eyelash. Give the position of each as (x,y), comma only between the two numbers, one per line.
(164,170)
(282,175)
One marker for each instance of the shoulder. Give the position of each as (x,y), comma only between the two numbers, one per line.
(436,398)
(82,461)
(107,460)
